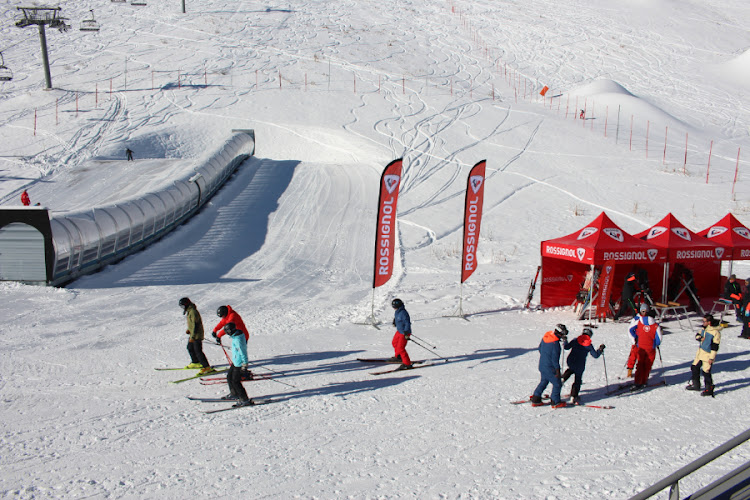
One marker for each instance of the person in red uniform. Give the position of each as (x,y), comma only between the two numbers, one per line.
(648,333)
(25,199)
(228,315)
(633,357)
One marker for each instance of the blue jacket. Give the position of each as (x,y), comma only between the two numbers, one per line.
(549,353)
(239,350)
(580,347)
(403,321)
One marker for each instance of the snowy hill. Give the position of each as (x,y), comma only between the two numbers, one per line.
(335,91)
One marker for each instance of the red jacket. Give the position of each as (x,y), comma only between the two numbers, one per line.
(25,198)
(231,317)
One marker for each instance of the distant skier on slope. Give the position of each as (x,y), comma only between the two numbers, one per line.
(709,337)
(549,366)
(579,348)
(25,199)
(402,322)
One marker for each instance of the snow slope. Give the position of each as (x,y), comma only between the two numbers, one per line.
(334,92)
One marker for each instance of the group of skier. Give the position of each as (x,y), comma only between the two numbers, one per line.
(230,324)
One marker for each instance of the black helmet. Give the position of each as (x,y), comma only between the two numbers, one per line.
(184,302)
(222,311)
(561,330)
(229,329)
(587,331)
(397,303)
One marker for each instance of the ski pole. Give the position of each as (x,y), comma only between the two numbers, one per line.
(606,378)
(423,340)
(426,349)
(662,365)
(267,368)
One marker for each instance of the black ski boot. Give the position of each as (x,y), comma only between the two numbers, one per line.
(708,391)
(696,384)
(708,379)
(536,400)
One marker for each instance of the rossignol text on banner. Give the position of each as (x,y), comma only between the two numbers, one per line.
(606,277)
(385,235)
(472,219)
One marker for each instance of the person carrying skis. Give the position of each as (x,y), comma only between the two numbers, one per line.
(238,366)
(228,315)
(402,322)
(579,348)
(549,366)
(632,329)
(195,341)
(709,337)
(648,334)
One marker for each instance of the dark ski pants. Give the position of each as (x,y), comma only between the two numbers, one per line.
(646,359)
(548,377)
(234,379)
(577,381)
(195,349)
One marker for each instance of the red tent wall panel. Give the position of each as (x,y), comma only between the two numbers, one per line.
(561,281)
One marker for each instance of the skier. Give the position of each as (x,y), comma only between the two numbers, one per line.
(709,337)
(238,366)
(733,292)
(195,341)
(25,199)
(228,315)
(579,348)
(129,154)
(628,292)
(648,333)
(549,366)
(583,113)
(746,317)
(632,333)
(402,322)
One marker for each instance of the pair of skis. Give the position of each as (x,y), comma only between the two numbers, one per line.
(630,387)
(419,363)
(223,380)
(546,402)
(256,402)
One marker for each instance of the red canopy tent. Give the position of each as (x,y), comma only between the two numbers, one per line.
(690,253)
(566,260)
(731,234)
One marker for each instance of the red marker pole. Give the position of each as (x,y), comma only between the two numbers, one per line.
(736,170)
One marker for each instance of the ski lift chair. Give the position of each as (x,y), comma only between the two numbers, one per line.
(6,74)
(90,24)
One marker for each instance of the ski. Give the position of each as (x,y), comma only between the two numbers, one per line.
(254,377)
(211,400)
(598,407)
(387,361)
(532,287)
(170,369)
(197,376)
(256,402)
(522,401)
(631,387)
(223,380)
(399,370)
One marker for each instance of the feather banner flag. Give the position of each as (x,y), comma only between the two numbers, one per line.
(472,219)
(385,235)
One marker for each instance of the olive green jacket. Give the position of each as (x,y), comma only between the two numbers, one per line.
(194,323)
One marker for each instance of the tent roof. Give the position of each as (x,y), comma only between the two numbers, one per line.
(681,243)
(730,233)
(600,241)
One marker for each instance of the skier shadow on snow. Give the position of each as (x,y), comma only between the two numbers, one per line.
(346,365)
(230,228)
(342,389)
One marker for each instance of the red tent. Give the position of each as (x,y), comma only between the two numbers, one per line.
(731,234)
(566,260)
(692,256)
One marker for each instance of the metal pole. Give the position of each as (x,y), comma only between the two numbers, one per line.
(673,478)
(183,6)
(45,57)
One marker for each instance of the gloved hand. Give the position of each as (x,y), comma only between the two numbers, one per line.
(187,332)
(601,348)
(407,336)
(216,337)
(698,337)
(394,321)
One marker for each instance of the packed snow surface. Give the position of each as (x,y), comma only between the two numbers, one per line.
(334,92)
